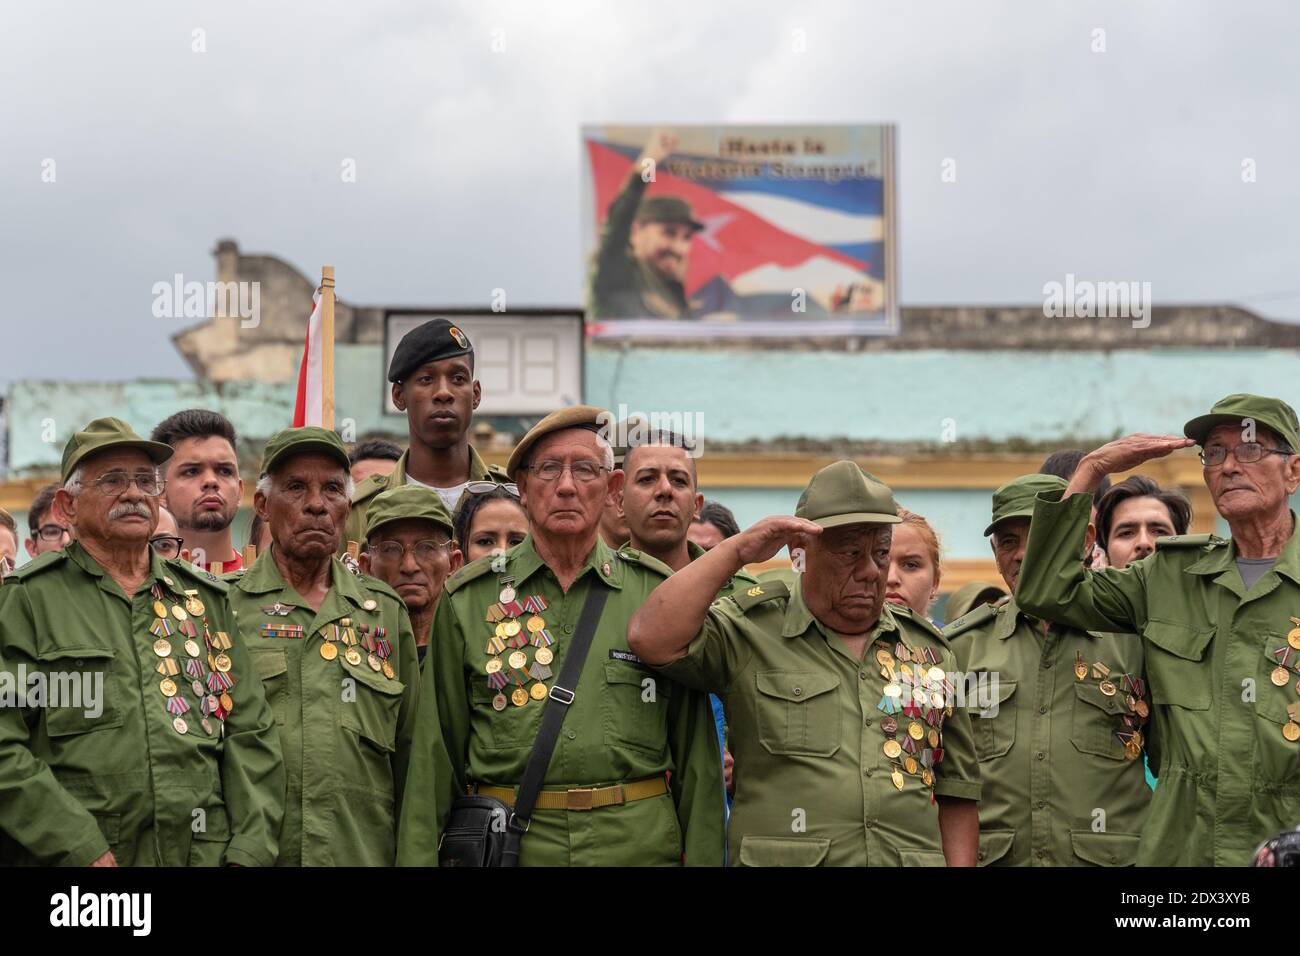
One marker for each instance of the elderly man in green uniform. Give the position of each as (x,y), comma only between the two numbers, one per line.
(1062,719)
(432,376)
(336,656)
(640,268)
(635,779)
(409,547)
(144,737)
(840,706)
(1220,622)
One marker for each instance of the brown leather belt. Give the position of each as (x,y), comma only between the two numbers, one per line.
(582,798)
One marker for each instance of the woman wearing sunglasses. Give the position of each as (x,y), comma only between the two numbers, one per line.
(489,518)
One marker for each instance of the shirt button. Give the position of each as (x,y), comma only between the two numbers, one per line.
(863,675)
(573,734)
(1046,664)
(868,772)
(1041,804)
(980,855)
(868,721)
(798,691)
(1043,709)
(1040,755)
(1040,854)
(568,629)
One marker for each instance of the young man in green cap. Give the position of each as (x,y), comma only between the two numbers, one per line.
(636,775)
(1060,717)
(336,655)
(1220,622)
(841,708)
(409,547)
(151,742)
(432,376)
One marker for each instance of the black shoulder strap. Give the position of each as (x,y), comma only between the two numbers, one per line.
(553,713)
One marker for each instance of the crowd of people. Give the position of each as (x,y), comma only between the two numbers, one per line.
(386,643)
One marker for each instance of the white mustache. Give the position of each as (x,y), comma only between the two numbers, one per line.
(127,509)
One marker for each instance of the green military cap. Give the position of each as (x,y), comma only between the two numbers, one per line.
(575,416)
(1233,409)
(407,502)
(105,433)
(969,596)
(298,441)
(433,341)
(667,209)
(1015,499)
(842,494)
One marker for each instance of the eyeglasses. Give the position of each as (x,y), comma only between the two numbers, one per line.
(115,483)
(425,551)
(581,470)
(166,545)
(1245,453)
(51,532)
(484,487)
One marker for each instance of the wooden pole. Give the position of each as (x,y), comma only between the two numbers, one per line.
(327,345)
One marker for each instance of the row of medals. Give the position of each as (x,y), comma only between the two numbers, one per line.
(1288,656)
(919,691)
(211,685)
(374,640)
(509,633)
(1134,691)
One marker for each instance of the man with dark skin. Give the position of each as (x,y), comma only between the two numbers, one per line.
(432,376)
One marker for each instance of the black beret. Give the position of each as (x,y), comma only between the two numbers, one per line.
(437,339)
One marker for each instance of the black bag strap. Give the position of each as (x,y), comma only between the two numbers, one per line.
(553,713)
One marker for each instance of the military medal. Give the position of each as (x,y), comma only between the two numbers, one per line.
(159,609)
(507,595)
(180,725)
(517,660)
(191,647)
(206,725)
(352,656)
(194,606)
(162,647)
(227,703)
(328,650)
(537,691)
(542,638)
(178,612)
(389,672)
(909,764)
(539,671)
(499,702)
(543,656)
(375,663)
(1107,688)
(1291,730)
(892,749)
(519,697)
(1280,677)
(889,725)
(223,662)
(168,687)
(897,778)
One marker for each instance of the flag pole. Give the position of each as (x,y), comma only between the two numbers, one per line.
(327,345)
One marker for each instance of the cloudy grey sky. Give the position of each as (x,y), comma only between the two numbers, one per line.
(1117,165)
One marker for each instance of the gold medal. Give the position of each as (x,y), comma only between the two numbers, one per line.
(518,659)
(374,661)
(493,665)
(892,749)
(1280,677)
(519,697)
(352,656)
(897,777)
(1293,638)
(536,623)
(168,687)
(499,702)
(910,764)
(1132,750)
(501,631)
(327,651)
(192,647)
(884,658)
(927,778)
(915,731)
(194,606)
(162,647)
(511,627)
(227,702)
(224,664)
(543,655)
(1291,730)
(159,609)
(388,670)
(178,612)
(181,726)
(537,691)
(1080,668)
(933,738)
(1107,688)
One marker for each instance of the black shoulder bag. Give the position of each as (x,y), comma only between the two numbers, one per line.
(484,831)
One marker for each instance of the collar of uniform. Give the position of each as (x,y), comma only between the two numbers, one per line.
(524,561)
(478,469)
(79,556)
(1010,615)
(799,617)
(694,551)
(264,577)
(1222,559)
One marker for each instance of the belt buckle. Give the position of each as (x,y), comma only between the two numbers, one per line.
(580,799)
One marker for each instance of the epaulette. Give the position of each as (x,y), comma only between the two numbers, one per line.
(194,571)
(971,619)
(632,556)
(372,583)
(498,474)
(47,560)
(745,576)
(233,577)
(370,486)
(469,572)
(749,597)
(905,612)
(1207,541)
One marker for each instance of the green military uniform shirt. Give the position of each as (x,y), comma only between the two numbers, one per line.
(74,783)
(355,529)
(1229,775)
(626,722)
(345,726)
(814,785)
(1060,788)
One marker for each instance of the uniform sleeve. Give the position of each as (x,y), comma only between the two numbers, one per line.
(435,772)
(958,774)
(253,778)
(1055,585)
(408,710)
(35,810)
(717,654)
(696,782)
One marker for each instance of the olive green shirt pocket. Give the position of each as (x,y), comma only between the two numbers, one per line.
(798,715)
(994,845)
(1095,719)
(208,845)
(783,851)
(273,668)
(90,669)
(635,707)
(372,716)
(1105,849)
(995,728)
(1175,668)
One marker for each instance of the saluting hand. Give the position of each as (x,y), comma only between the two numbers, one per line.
(764,539)
(1123,454)
(660,146)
